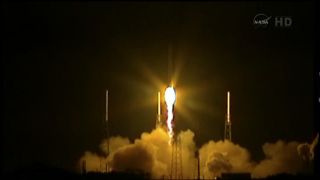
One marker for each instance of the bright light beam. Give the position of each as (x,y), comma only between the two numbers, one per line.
(170,98)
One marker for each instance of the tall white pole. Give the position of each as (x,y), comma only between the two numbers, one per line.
(159,108)
(107,128)
(228,107)
(107,93)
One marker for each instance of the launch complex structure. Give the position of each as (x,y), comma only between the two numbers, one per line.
(227,125)
(107,129)
(175,142)
(175,171)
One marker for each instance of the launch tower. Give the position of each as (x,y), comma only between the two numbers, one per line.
(227,126)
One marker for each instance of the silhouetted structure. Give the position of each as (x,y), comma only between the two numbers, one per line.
(227,128)
(107,128)
(83,167)
(158,119)
(235,176)
(176,159)
(45,172)
(198,164)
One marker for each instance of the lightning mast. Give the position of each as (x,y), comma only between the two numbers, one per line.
(227,128)
(107,128)
(158,120)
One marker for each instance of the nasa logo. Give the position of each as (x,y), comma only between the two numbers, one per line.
(261,21)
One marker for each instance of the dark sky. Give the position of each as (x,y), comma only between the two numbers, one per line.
(59,58)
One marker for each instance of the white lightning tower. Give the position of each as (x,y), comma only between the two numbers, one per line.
(158,120)
(107,128)
(227,128)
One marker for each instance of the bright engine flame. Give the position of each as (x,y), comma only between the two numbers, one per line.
(170,98)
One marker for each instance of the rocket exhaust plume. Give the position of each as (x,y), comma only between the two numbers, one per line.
(170,97)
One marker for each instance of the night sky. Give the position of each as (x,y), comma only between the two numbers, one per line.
(59,58)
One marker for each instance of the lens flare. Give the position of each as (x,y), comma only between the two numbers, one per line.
(170,98)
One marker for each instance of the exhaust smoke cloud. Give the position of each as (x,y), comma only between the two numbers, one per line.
(151,153)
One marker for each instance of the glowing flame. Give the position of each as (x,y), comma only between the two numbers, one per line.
(170,98)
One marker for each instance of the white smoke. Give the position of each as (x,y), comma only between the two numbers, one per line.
(306,151)
(223,156)
(216,164)
(134,157)
(114,144)
(151,153)
(281,157)
(93,161)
